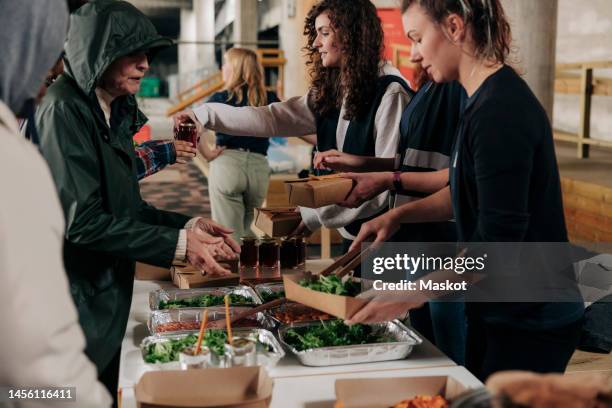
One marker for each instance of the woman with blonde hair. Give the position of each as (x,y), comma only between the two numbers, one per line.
(239,170)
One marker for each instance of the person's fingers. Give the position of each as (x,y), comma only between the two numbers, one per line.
(364,233)
(350,175)
(235,246)
(181,161)
(212,266)
(218,227)
(208,239)
(362,315)
(180,117)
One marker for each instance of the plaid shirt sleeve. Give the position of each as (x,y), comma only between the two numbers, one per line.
(152,156)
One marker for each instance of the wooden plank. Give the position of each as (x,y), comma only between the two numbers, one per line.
(194,98)
(584,130)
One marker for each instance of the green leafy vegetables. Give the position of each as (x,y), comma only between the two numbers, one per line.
(269,296)
(168,351)
(206,301)
(334,333)
(334,285)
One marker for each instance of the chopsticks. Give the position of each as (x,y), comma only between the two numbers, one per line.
(341,262)
(202,330)
(228,321)
(260,308)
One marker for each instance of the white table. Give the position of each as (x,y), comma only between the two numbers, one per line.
(319,391)
(132,365)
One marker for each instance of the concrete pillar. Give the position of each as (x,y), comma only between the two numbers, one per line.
(245,24)
(534,30)
(205,23)
(291,42)
(187,53)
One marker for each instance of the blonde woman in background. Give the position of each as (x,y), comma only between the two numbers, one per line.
(239,170)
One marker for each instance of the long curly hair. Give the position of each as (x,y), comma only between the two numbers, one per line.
(360,39)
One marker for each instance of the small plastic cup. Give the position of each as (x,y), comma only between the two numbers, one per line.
(189,360)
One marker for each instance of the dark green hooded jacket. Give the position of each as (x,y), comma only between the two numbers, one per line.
(108,225)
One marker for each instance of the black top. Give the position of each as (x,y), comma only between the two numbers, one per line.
(251,143)
(505,184)
(505,180)
(359,139)
(427,134)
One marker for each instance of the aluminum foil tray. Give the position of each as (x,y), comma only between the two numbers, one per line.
(166,295)
(264,289)
(265,358)
(159,320)
(405,340)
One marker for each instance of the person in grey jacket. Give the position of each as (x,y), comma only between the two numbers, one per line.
(42,342)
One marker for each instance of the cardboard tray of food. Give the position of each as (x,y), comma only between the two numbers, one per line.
(189,319)
(187,277)
(339,306)
(426,392)
(372,343)
(244,387)
(161,351)
(202,297)
(277,221)
(318,191)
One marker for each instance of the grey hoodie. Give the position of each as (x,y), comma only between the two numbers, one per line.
(32,34)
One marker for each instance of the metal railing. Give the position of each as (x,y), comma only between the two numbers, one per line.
(578,79)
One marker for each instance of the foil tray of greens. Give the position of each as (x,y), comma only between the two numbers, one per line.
(202,297)
(189,319)
(268,292)
(331,343)
(161,352)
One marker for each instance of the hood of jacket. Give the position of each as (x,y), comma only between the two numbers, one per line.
(102,31)
(32,34)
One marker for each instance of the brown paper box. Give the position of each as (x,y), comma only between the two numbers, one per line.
(150,272)
(340,306)
(213,387)
(318,193)
(188,277)
(386,392)
(277,222)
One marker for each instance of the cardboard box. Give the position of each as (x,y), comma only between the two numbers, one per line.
(340,306)
(245,387)
(316,192)
(150,272)
(187,277)
(387,392)
(277,222)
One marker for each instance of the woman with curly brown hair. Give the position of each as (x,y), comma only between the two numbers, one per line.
(355,102)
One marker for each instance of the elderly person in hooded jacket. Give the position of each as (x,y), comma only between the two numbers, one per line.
(42,343)
(86,124)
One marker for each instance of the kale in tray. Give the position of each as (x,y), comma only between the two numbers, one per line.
(268,296)
(334,333)
(168,351)
(334,285)
(205,301)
